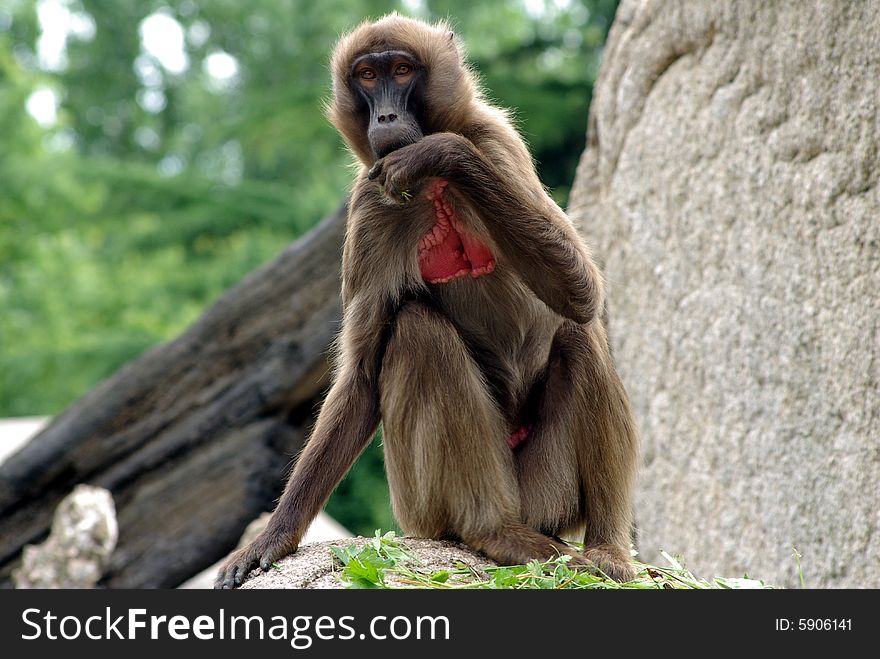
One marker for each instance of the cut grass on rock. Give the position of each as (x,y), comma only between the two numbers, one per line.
(385,562)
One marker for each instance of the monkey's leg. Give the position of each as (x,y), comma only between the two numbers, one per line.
(578,464)
(449,468)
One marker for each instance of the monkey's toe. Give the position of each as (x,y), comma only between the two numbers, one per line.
(612,561)
(578,562)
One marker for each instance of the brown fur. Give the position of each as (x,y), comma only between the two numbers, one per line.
(453,369)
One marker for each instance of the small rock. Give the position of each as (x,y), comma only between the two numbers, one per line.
(83,535)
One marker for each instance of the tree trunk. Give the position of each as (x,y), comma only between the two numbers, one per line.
(730,186)
(193,437)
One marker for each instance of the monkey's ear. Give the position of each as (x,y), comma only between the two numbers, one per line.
(450,35)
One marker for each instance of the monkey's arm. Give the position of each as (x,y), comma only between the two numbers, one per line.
(346,423)
(531,231)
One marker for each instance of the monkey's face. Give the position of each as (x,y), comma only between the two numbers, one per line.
(390,88)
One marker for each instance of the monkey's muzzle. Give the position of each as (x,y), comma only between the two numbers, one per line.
(392,125)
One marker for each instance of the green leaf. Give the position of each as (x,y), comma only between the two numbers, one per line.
(341,554)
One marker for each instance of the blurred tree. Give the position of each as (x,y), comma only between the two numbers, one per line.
(188,145)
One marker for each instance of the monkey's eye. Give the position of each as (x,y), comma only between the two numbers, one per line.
(402,69)
(368,74)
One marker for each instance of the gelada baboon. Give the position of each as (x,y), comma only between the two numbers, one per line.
(470,327)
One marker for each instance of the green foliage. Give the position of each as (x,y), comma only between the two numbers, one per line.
(158,187)
(385,562)
(366,567)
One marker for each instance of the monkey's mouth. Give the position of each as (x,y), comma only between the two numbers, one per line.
(391,147)
(387,140)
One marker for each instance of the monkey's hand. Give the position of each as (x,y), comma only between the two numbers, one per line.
(271,545)
(400,173)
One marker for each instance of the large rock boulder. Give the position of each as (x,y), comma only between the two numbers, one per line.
(730,189)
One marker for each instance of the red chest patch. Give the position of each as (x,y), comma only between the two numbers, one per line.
(448,251)
(519,435)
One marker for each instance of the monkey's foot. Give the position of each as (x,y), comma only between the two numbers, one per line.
(448,251)
(612,560)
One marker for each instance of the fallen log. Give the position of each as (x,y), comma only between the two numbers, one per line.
(193,438)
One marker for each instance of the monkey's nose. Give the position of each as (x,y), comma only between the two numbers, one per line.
(382,118)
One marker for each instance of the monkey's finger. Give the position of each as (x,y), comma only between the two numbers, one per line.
(375,170)
(225,578)
(272,555)
(235,576)
(235,571)
(394,195)
(222,577)
(397,189)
